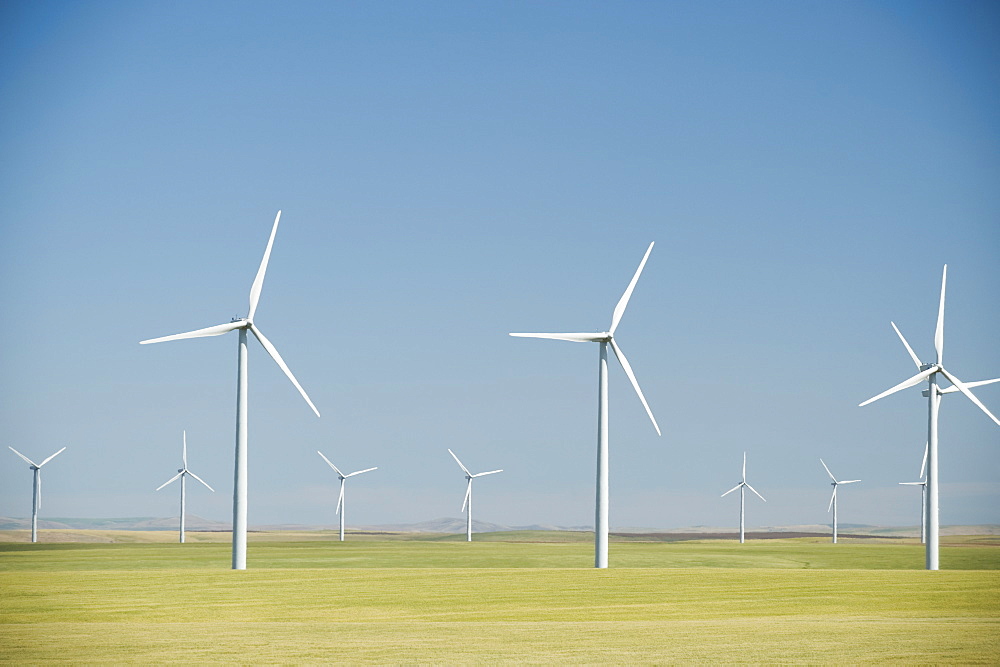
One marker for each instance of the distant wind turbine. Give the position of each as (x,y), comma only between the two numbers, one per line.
(36,490)
(343,478)
(933,393)
(244,324)
(605,338)
(467,503)
(923,497)
(833,498)
(742,486)
(182,473)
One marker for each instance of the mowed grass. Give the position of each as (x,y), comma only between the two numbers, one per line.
(427,601)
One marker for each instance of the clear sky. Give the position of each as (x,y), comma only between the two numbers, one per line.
(450,172)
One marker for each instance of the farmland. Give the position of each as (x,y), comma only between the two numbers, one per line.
(437,599)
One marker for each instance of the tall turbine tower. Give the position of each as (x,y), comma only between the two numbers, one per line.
(923,497)
(343,478)
(605,338)
(182,473)
(36,488)
(467,503)
(244,324)
(933,393)
(742,486)
(833,498)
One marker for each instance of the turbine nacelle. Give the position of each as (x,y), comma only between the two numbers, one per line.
(743,483)
(928,370)
(247,323)
(469,477)
(342,477)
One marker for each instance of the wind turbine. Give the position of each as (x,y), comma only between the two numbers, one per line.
(742,486)
(182,473)
(923,497)
(36,488)
(934,393)
(467,502)
(833,498)
(605,338)
(244,324)
(340,500)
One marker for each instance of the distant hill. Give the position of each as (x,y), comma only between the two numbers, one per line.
(457,525)
(131,523)
(452,525)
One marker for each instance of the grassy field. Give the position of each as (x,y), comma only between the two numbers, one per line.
(438,600)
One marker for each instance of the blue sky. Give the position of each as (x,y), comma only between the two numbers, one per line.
(451,172)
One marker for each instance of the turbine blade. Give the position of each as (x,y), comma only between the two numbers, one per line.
(916,379)
(464,469)
(906,345)
(200,480)
(38,491)
(828,471)
(26,459)
(635,384)
(177,476)
(832,498)
(755,491)
(623,302)
(939,329)
(480,474)
(849,481)
(972,397)
(184,450)
(744,467)
(468,492)
(51,457)
(330,464)
(217,330)
(361,471)
(730,490)
(271,350)
(913,483)
(969,385)
(574,337)
(258,282)
(340,500)
(980,383)
(923,464)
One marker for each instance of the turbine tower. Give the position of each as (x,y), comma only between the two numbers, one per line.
(605,338)
(742,486)
(182,473)
(467,502)
(923,497)
(833,498)
(933,393)
(340,500)
(36,488)
(244,324)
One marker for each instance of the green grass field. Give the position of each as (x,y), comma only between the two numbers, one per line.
(438,600)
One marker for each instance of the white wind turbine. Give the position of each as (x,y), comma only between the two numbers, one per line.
(340,500)
(36,488)
(605,338)
(182,473)
(923,497)
(243,325)
(742,486)
(833,498)
(467,502)
(933,393)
